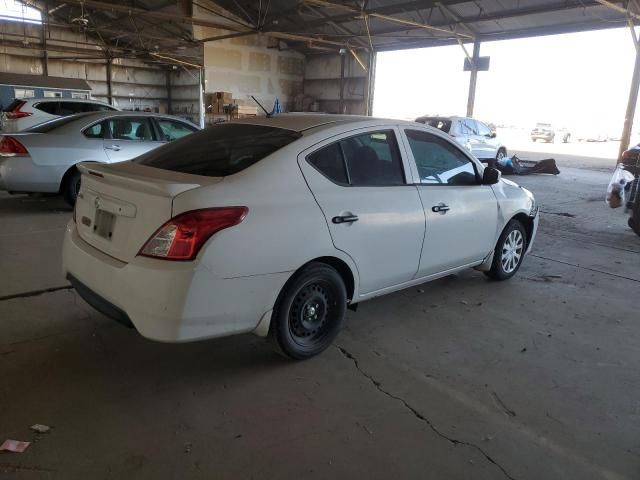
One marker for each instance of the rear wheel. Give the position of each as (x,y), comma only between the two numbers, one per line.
(509,252)
(309,311)
(71,187)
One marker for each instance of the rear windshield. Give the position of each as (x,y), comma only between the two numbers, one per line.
(48,126)
(439,123)
(219,150)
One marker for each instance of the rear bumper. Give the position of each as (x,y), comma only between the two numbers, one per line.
(20,174)
(168,301)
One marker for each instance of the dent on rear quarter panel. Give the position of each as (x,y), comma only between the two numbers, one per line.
(283,230)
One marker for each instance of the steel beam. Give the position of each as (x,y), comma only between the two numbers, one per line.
(631,106)
(109,80)
(473,81)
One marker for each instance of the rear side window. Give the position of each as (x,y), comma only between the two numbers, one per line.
(219,150)
(48,107)
(70,108)
(370,159)
(99,130)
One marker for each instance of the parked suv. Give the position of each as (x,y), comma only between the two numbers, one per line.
(25,112)
(472,134)
(548,133)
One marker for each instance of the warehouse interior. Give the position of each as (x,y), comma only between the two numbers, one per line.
(458,378)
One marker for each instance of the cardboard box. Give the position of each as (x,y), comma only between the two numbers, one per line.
(247,110)
(226,97)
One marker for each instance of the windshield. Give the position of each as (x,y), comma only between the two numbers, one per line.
(219,150)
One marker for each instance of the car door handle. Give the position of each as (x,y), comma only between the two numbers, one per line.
(113,147)
(345,219)
(440,208)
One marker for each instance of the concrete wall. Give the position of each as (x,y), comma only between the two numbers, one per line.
(251,65)
(322,82)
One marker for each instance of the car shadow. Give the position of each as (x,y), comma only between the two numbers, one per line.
(33,204)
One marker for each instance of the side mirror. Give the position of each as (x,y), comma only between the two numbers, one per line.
(492,135)
(491,176)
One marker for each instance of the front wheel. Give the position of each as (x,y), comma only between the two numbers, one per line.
(509,252)
(309,311)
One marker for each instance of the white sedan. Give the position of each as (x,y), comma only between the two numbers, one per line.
(43,158)
(277,225)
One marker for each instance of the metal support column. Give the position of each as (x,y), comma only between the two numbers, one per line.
(109,85)
(169,99)
(201,91)
(371,80)
(341,105)
(632,103)
(45,34)
(473,81)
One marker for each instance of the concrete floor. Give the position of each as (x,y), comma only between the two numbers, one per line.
(535,378)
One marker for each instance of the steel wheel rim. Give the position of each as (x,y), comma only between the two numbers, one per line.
(512,250)
(311,312)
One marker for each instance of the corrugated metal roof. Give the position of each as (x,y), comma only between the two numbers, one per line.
(412,23)
(59,83)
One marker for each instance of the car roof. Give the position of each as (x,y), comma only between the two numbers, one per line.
(87,118)
(61,99)
(300,122)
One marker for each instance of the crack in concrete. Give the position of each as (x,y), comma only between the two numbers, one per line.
(419,415)
(35,293)
(584,268)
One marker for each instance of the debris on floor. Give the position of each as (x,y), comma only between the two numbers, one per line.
(40,428)
(15,446)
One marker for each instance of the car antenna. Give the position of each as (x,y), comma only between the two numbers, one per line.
(260,105)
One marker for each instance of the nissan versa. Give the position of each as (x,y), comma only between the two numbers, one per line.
(277,225)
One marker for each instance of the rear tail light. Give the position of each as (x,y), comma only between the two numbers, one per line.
(10,147)
(182,237)
(17,113)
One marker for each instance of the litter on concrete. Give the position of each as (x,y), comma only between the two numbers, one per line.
(40,428)
(15,446)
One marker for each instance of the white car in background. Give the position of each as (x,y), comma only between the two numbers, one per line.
(43,158)
(24,113)
(276,225)
(472,134)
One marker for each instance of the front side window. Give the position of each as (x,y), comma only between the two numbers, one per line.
(369,159)
(96,107)
(219,150)
(131,128)
(483,129)
(468,127)
(173,130)
(439,162)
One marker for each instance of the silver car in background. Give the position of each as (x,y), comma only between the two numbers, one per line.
(43,158)
(24,113)
(472,134)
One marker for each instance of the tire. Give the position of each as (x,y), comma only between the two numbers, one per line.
(309,311)
(566,138)
(507,258)
(71,187)
(502,152)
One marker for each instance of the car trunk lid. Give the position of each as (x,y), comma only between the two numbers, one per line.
(120,206)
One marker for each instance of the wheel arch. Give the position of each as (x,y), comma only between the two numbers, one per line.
(70,170)
(527,223)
